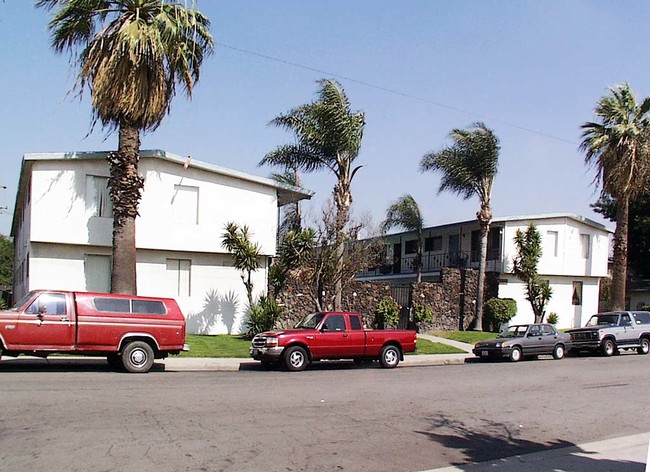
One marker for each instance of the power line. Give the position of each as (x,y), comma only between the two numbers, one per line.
(397,92)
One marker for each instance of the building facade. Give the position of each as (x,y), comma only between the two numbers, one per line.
(62,230)
(574,259)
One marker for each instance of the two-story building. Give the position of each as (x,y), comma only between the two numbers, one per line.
(62,230)
(574,258)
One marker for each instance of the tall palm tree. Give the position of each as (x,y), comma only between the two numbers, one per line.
(328,136)
(617,147)
(131,55)
(405,213)
(468,168)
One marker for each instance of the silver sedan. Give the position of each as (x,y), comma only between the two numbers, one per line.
(519,341)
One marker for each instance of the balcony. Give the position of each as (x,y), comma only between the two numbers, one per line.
(432,263)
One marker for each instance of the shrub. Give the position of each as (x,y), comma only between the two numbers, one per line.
(552,318)
(500,310)
(422,313)
(387,313)
(262,316)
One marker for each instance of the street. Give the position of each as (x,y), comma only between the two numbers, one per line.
(331,417)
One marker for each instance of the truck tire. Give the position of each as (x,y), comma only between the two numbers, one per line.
(389,357)
(558,351)
(644,346)
(137,357)
(295,359)
(515,354)
(608,348)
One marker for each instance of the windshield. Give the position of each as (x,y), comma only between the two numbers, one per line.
(310,321)
(603,320)
(22,301)
(514,332)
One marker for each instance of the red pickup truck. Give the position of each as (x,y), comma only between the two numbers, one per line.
(130,331)
(331,335)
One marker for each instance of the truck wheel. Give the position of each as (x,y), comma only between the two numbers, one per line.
(558,352)
(295,359)
(389,357)
(515,354)
(644,346)
(137,357)
(609,348)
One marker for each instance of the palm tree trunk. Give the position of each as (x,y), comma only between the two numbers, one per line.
(126,190)
(342,201)
(619,269)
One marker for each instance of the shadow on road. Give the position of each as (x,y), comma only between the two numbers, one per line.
(496,441)
(61,364)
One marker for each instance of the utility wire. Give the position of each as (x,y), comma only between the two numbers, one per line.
(396,92)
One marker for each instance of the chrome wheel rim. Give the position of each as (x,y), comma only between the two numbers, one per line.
(516,354)
(390,356)
(296,359)
(559,352)
(138,357)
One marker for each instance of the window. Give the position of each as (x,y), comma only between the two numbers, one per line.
(113,305)
(98,198)
(97,271)
(334,323)
(547,330)
(148,307)
(577,294)
(48,304)
(551,242)
(411,247)
(185,205)
(626,320)
(584,246)
(178,277)
(355,322)
(475,247)
(434,243)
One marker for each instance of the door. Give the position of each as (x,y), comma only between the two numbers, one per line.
(533,343)
(628,334)
(356,346)
(454,250)
(333,339)
(47,323)
(397,258)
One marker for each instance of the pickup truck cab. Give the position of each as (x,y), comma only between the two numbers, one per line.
(609,332)
(331,335)
(131,331)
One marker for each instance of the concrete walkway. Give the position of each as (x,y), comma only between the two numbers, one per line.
(457,344)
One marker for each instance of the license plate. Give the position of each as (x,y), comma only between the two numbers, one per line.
(255,352)
(484,353)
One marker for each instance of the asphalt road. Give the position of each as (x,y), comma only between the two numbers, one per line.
(330,418)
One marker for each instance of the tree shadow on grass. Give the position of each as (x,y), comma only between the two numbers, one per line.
(493,441)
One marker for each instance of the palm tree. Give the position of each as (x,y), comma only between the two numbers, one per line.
(131,55)
(617,146)
(236,240)
(405,213)
(328,137)
(468,169)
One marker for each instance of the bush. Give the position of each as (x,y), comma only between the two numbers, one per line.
(387,313)
(422,313)
(552,318)
(262,316)
(500,310)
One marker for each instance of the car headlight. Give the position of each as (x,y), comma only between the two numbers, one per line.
(504,345)
(271,341)
(497,345)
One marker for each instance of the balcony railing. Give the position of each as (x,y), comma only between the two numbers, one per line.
(432,263)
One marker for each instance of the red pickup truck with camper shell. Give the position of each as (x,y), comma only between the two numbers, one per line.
(331,335)
(131,331)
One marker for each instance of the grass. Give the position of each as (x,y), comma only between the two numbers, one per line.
(469,337)
(236,346)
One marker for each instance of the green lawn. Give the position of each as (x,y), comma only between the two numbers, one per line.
(236,346)
(469,337)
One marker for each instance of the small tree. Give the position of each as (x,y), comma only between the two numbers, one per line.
(529,251)
(387,313)
(292,252)
(422,313)
(236,241)
(262,316)
(500,310)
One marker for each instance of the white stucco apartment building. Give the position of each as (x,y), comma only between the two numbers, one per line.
(62,230)
(574,259)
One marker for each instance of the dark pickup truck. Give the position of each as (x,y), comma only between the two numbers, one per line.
(331,335)
(609,332)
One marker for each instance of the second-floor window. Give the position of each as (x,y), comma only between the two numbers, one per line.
(185,205)
(98,198)
(551,242)
(585,241)
(411,247)
(433,243)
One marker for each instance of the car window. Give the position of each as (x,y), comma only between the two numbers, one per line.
(49,304)
(626,320)
(642,317)
(547,330)
(355,322)
(534,331)
(334,323)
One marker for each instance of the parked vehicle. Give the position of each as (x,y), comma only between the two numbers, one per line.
(520,341)
(130,331)
(609,332)
(331,335)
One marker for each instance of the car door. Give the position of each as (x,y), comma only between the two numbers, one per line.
(627,335)
(333,339)
(47,323)
(533,342)
(549,338)
(356,346)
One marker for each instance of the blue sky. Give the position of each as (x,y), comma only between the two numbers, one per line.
(532,71)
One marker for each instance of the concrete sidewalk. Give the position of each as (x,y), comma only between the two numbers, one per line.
(624,454)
